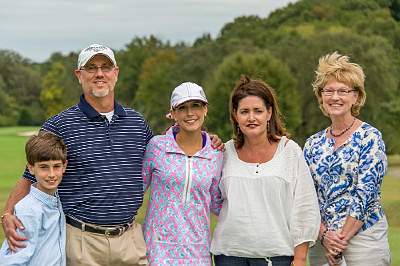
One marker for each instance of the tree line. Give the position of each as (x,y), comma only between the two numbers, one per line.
(282,49)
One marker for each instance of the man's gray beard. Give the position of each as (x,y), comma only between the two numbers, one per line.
(101,93)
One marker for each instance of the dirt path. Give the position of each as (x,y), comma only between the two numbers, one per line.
(27,133)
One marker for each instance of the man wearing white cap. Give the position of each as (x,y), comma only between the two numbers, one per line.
(102,188)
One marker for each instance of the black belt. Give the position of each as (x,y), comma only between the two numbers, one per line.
(117,230)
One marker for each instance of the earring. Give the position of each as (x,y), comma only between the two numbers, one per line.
(238,129)
(268,127)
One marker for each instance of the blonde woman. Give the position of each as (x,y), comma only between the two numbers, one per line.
(347,162)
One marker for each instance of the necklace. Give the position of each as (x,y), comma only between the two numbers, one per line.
(344,131)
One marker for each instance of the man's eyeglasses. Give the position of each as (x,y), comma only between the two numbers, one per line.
(341,91)
(93,68)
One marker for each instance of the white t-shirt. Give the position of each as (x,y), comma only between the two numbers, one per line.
(269,208)
(108,115)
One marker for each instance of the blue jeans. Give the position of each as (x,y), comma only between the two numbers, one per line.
(222,260)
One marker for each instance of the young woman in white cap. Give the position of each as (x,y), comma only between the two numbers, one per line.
(183,172)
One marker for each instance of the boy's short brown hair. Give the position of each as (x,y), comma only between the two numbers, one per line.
(45,146)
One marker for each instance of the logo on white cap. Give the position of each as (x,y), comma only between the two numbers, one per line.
(86,54)
(187,91)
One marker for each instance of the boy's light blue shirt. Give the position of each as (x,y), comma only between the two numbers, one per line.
(44,222)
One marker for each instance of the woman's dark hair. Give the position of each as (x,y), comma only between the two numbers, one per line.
(250,87)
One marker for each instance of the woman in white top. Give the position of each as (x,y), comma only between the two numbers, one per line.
(270,211)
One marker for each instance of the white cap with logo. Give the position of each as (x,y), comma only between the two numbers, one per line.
(86,54)
(187,91)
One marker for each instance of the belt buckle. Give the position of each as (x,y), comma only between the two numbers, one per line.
(108,231)
(121,231)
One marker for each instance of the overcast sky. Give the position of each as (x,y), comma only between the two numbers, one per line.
(37,28)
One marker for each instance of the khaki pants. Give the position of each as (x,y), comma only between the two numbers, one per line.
(90,249)
(367,248)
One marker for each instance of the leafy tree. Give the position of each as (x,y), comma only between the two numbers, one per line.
(242,28)
(130,61)
(21,82)
(156,84)
(8,110)
(69,83)
(258,65)
(52,95)
(197,63)
(395,9)
(391,115)
(292,38)
(378,58)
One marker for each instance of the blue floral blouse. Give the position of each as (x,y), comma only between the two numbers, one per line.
(348,180)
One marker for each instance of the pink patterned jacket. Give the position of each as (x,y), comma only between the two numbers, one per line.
(183,192)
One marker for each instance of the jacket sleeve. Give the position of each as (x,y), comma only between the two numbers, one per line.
(215,192)
(305,219)
(371,169)
(148,164)
(23,256)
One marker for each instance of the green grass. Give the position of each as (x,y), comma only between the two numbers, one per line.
(12,162)
(394,160)
(394,242)
(12,155)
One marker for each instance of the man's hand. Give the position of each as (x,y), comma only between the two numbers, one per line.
(10,223)
(217,143)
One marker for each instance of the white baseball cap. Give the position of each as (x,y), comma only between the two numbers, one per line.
(187,91)
(86,54)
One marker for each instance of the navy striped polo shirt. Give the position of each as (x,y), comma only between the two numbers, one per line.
(103,182)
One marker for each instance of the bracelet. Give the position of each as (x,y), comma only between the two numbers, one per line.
(323,237)
(4,215)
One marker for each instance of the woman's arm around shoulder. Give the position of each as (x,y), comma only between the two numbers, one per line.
(215,192)
(153,152)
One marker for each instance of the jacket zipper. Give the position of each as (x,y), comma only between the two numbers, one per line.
(188,180)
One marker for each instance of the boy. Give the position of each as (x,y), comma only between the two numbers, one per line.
(40,211)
